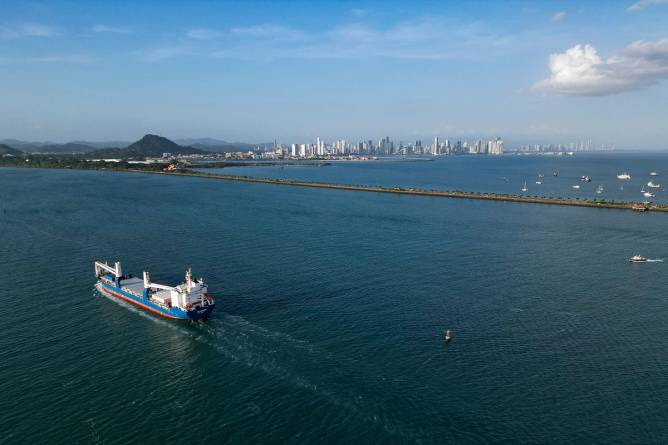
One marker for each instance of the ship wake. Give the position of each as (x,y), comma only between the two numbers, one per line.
(281,356)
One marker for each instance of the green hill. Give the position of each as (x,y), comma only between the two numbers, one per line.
(149,146)
(6,150)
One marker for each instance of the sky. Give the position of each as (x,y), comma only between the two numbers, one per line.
(530,72)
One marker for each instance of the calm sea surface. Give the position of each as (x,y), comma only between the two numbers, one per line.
(506,174)
(331,310)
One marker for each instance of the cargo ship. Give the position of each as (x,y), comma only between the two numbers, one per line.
(189,300)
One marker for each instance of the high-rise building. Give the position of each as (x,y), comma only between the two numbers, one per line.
(496,146)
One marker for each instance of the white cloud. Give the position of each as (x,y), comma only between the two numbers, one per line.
(558,16)
(580,71)
(427,38)
(165,52)
(27,30)
(355,32)
(73,58)
(642,4)
(203,34)
(58,58)
(110,29)
(269,31)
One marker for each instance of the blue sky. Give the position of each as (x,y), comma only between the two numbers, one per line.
(255,71)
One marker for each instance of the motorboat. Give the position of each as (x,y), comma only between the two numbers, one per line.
(624,176)
(645,193)
(653,174)
(653,184)
(576,186)
(638,259)
(585,179)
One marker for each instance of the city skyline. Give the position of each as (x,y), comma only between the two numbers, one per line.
(533,73)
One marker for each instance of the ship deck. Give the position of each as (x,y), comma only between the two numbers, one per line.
(135,285)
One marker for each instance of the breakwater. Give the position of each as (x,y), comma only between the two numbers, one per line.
(594,203)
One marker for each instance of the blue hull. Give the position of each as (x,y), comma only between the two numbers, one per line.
(144,303)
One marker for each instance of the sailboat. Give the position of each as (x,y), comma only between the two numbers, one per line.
(646,194)
(524,189)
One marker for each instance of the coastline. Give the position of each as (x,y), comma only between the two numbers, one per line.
(619,205)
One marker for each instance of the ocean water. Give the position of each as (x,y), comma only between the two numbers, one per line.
(330,317)
(505,174)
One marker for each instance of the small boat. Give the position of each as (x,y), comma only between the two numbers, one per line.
(653,174)
(539,182)
(447,336)
(638,259)
(653,184)
(599,189)
(555,173)
(640,207)
(576,187)
(540,175)
(524,189)
(624,176)
(646,194)
(585,179)
(621,187)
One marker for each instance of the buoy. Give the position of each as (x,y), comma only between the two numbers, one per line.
(448,336)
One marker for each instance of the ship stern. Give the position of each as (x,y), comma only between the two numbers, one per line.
(202,313)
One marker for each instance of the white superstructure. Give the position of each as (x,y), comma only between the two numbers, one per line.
(186,295)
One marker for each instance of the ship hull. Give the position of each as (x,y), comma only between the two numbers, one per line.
(145,304)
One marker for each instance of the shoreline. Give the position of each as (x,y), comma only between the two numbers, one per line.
(483,196)
(620,205)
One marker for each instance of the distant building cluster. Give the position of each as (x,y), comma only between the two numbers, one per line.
(385,147)
(581,146)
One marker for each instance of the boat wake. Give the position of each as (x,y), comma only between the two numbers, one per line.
(278,355)
(657,260)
